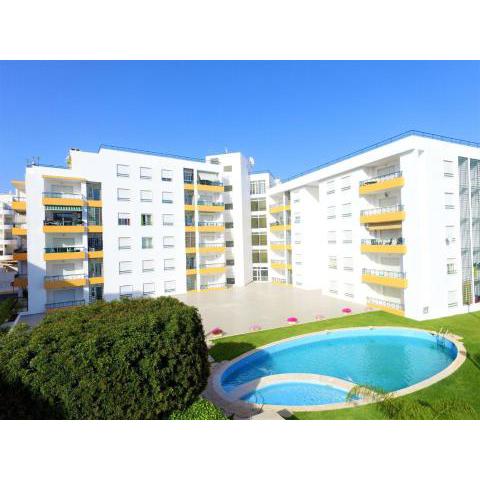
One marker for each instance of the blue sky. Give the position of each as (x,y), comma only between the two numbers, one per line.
(290,116)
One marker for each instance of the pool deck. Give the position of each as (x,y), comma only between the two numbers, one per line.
(238,309)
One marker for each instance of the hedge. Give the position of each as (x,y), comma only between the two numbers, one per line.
(129,359)
(200,410)
(7,309)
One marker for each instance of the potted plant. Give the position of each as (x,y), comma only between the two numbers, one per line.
(216,332)
(292,320)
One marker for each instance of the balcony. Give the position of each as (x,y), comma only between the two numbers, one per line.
(65,281)
(386,305)
(391,214)
(385,277)
(20,280)
(213,286)
(206,206)
(211,268)
(20,254)
(377,245)
(280,226)
(65,199)
(64,225)
(279,265)
(210,186)
(19,230)
(381,183)
(214,247)
(19,204)
(64,253)
(280,246)
(206,227)
(278,208)
(71,303)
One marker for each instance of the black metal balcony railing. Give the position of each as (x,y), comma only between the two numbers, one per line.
(386,303)
(20,250)
(381,178)
(74,276)
(210,224)
(64,249)
(95,248)
(214,183)
(379,211)
(212,285)
(383,273)
(21,275)
(209,203)
(383,241)
(78,196)
(71,303)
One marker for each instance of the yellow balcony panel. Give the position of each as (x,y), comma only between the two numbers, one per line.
(281,266)
(381,186)
(211,228)
(188,186)
(95,203)
(20,282)
(189,208)
(65,283)
(19,205)
(64,256)
(20,256)
(211,270)
(394,311)
(190,250)
(68,179)
(279,208)
(401,249)
(63,228)
(19,231)
(280,228)
(19,184)
(383,217)
(210,188)
(70,202)
(189,228)
(386,226)
(191,271)
(95,280)
(98,254)
(210,208)
(281,247)
(210,249)
(386,281)
(95,229)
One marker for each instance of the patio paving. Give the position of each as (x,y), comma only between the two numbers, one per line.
(236,310)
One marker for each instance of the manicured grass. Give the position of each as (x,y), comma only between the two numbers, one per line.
(464,384)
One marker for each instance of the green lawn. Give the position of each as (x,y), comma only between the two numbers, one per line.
(464,384)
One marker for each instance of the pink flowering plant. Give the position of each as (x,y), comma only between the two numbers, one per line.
(217,331)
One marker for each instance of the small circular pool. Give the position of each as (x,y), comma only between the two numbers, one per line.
(389,359)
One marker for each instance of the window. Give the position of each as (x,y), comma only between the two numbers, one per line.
(167,219)
(126,291)
(227,188)
(298,259)
(229,206)
(147,242)
(297,218)
(332,236)
(347,236)
(189,239)
(258,205)
(167,197)
(449,200)
(259,239)
(124,243)
(259,221)
(259,256)
(452,298)
(229,261)
(148,289)
(330,187)
(123,194)
(148,265)
(229,243)
(94,215)
(448,168)
(167,175)
(332,286)
(123,170)
(169,286)
(124,267)
(228,224)
(146,196)
(187,175)
(146,219)
(260,274)
(331,211)
(168,242)
(451,266)
(257,187)
(124,219)
(169,264)
(348,263)
(332,262)
(345,181)
(227,168)
(348,289)
(450,234)
(347,210)
(215,161)
(145,173)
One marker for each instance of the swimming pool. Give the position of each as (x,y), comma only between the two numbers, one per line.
(386,358)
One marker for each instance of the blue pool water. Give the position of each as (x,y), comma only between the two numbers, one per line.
(385,358)
(296,393)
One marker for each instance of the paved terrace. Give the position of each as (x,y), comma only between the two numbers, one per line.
(237,310)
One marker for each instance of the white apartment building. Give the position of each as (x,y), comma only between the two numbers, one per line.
(7,240)
(395,226)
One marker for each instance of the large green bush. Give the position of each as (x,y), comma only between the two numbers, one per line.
(7,309)
(136,359)
(200,410)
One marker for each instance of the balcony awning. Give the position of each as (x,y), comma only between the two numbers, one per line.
(63,208)
(211,176)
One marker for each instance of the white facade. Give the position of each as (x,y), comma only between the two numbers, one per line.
(395,227)
(7,241)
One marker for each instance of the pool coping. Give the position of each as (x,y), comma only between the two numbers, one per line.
(232,403)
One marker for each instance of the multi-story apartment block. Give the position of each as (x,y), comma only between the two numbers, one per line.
(7,240)
(395,226)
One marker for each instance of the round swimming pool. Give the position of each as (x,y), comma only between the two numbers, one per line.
(386,358)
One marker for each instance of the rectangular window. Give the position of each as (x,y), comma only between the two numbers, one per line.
(189,239)
(146,196)
(332,236)
(450,234)
(227,168)
(348,263)
(298,259)
(167,175)
(123,170)
(124,219)
(298,238)
(124,267)
(332,262)
(448,168)
(331,212)
(124,243)
(258,204)
(332,286)
(257,187)
(148,265)
(452,298)
(187,175)
(347,210)
(147,242)
(348,289)
(451,268)
(330,187)
(229,243)
(167,197)
(347,236)
(259,256)
(259,238)
(449,200)
(229,206)
(227,188)
(167,219)
(168,242)
(126,291)
(169,264)
(148,289)
(146,219)
(123,194)
(145,173)
(345,181)
(297,218)
(259,221)
(169,286)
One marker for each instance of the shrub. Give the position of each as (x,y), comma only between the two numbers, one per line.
(200,410)
(130,359)
(7,309)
